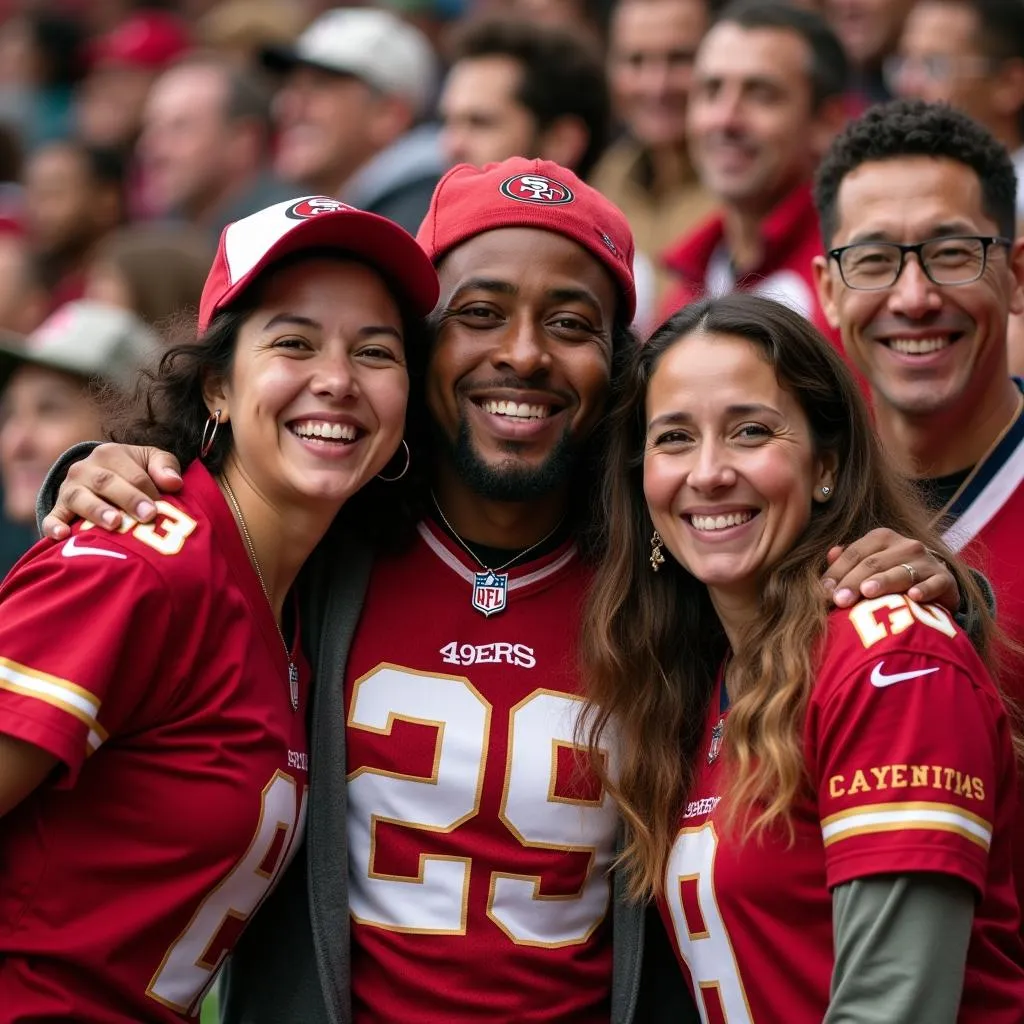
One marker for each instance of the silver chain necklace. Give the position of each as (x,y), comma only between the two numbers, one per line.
(490,588)
(293,671)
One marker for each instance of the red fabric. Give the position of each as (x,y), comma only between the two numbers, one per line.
(896,788)
(483,894)
(147,39)
(249,246)
(127,879)
(791,241)
(521,193)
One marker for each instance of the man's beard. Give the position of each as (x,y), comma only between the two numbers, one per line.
(509,480)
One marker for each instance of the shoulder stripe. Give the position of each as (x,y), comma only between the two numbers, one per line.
(916,816)
(469,575)
(59,693)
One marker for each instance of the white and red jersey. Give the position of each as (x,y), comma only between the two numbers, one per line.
(148,662)
(479,846)
(987,530)
(911,769)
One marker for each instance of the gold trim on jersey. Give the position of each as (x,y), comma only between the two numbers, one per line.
(911,815)
(57,692)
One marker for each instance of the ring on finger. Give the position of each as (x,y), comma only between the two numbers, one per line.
(911,570)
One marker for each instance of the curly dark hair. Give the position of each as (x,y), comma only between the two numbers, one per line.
(915,128)
(562,75)
(168,411)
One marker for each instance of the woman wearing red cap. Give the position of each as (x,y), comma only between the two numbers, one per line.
(153,688)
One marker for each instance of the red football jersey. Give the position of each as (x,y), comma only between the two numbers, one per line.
(149,663)
(987,531)
(479,847)
(909,757)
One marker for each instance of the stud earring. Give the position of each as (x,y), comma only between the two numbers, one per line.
(657,558)
(826,491)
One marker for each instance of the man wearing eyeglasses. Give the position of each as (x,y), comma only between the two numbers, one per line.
(917,207)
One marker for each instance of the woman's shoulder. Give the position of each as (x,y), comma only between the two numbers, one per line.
(874,635)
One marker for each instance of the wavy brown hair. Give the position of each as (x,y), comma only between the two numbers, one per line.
(652,643)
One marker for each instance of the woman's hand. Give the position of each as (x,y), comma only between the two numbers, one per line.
(113,480)
(877,564)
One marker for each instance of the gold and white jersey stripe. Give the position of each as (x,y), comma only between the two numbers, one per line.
(60,693)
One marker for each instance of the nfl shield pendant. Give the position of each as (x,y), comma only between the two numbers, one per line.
(293,686)
(716,740)
(490,592)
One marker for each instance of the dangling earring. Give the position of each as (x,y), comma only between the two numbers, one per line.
(209,433)
(826,491)
(657,558)
(405,468)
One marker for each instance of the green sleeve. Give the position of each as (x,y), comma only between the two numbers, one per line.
(900,949)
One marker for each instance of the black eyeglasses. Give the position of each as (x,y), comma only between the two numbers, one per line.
(950,260)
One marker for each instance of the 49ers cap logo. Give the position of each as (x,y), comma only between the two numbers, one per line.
(536,188)
(311,207)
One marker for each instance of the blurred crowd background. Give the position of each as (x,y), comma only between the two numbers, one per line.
(131,133)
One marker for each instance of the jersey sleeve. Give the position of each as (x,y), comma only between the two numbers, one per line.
(81,637)
(907,738)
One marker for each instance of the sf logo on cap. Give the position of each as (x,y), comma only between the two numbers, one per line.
(311,207)
(535,188)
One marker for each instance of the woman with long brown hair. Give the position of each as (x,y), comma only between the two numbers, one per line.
(819,799)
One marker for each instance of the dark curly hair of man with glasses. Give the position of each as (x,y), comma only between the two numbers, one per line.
(905,128)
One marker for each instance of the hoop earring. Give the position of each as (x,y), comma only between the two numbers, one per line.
(657,558)
(405,468)
(207,441)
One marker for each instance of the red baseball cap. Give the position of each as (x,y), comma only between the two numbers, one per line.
(521,193)
(149,39)
(251,245)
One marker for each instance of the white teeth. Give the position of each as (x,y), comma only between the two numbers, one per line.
(326,431)
(917,346)
(721,522)
(520,411)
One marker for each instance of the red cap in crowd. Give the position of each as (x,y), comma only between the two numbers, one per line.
(148,39)
(251,245)
(521,193)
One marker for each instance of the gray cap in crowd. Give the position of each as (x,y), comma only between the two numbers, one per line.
(377,46)
(89,339)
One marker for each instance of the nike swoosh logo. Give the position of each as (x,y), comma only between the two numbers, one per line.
(881,680)
(70,550)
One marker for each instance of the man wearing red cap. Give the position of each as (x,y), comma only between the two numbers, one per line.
(458,860)
(123,65)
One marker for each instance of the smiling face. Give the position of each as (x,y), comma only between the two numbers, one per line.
(317,390)
(924,348)
(730,468)
(519,371)
(43,412)
(753,131)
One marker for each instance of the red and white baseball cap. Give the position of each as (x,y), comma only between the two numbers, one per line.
(251,245)
(521,193)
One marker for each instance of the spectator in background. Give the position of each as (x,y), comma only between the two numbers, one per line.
(767,100)
(240,30)
(647,173)
(24,300)
(357,83)
(869,31)
(156,271)
(123,65)
(520,89)
(41,61)
(917,206)
(74,195)
(45,400)
(969,53)
(204,151)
